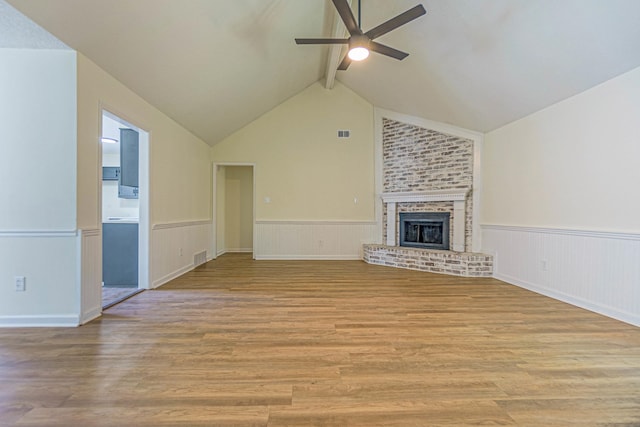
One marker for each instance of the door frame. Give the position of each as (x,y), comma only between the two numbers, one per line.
(214,191)
(144,226)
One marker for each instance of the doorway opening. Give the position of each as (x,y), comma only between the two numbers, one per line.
(124,209)
(234,208)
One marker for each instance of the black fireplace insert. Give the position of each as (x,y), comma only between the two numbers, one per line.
(427,230)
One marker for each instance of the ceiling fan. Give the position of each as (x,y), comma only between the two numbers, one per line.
(361,43)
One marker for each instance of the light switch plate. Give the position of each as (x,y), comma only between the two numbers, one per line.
(21,283)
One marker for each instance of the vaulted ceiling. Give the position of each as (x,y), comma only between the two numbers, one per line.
(216,65)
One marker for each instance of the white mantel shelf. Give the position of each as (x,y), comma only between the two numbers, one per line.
(456,195)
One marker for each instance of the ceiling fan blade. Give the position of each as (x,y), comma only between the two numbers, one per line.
(396,22)
(347,16)
(346,61)
(388,51)
(322,41)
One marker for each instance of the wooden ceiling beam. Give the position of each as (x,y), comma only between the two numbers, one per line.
(334,56)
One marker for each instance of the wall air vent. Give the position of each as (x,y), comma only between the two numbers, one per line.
(344,134)
(199,258)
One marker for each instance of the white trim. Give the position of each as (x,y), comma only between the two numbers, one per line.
(566,231)
(168,225)
(309,257)
(378,171)
(174,274)
(66,321)
(476,232)
(91,315)
(144,210)
(239,250)
(428,124)
(458,196)
(391,223)
(38,233)
(454,194)
(89,232)
(87,314)
(603,309)
(312,222)
(459,223)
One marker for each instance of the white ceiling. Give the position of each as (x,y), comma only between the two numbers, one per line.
(18,31)
(215,65)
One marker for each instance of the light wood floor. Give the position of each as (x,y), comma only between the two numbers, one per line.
(271,343)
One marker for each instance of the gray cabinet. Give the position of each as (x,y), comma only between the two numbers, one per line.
(120,254)
(129,158)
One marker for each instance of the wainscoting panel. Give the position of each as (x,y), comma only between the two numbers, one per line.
(48,259)
(90,274)
(313,239)
(175,247)
(598,271)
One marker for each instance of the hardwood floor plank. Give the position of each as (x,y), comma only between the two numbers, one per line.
(238,342)
(393,413)
(151,417)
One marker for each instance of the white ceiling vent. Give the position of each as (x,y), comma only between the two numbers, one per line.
(344,134)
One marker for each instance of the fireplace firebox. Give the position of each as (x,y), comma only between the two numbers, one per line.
(427,230)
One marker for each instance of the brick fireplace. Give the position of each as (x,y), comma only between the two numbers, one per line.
(425,170)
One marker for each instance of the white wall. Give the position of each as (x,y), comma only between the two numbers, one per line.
(113,206)
(571,165)
(38,191)
(307,177)
(38,114)
(301,166)
(561,203)
(179,167)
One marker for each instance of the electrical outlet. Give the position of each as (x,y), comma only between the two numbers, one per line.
(21,283)
(180,251)
(543,265)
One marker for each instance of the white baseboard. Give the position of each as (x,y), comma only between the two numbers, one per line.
(90,315)
(167,278)
(310,257)
(570,299)
(63,321)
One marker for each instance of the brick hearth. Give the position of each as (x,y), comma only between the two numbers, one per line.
(465,264)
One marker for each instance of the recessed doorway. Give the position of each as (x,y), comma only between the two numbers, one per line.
(124,201)
(234,208)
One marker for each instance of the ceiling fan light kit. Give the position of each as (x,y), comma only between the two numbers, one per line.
(361,43)
(358,47)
